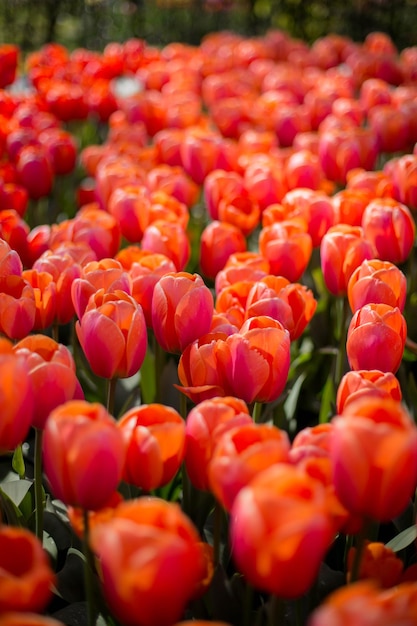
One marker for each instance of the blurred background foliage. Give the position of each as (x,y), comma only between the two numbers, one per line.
(94,23)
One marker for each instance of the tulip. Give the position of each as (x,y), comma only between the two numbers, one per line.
(83,454)
(15,231)
(174,182)
(403,173)
(10,262)
(61,148)
(378,563)
(374,457)
(242,453)
(219,184)
(232,301)
(376,338)
(170,239)
(44,289)
(349,205)
(358,604)
(155,439)
(346,148)
(356,384)
(26,575)
(205,424)
(390,226)
(112,334)
(241,210)
(182,310)
(53,374)
(377,281)
(342,250)
(280,531)
(149,550)
(218,241)
(17,306)
(9,55)
(288,248)
(251,364)
(130,205)
(35,171)
(27,619)
(14,197)
(17,408)
(264,179)
(314,207)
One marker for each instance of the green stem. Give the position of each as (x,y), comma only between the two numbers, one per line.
(247,605)
(341,352)
(88,572)
(360,547)
(256,413)
(39,499)
(276,611)
(299,612)
(160,357)
(111,393)
(55,331)
(217,532)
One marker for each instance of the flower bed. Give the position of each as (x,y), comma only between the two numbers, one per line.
(207,310)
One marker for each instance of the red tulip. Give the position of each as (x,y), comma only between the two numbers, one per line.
(205,424)
(9,56)
(377,281)
(288,248)
(17,408)
(17,306)
(376,338)
(242,453)
(155,438)
(26,575)
(52,372)
(130,204)
(182,310)
(148,551)
(281,530)
(83,454)
(112,334)
(390,226)
(356,384)
(374,457)
(170,239)
(218,241)
(35,171)
(44,289)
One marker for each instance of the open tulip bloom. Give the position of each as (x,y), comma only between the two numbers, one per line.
(208,351)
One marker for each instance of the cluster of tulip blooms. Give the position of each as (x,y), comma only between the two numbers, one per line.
(242,187)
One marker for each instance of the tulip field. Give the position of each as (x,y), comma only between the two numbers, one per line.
(208,333)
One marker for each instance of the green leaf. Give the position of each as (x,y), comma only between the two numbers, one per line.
(403,540)
(10,512)
(18,462)
(16,490)
(147,378)
(327,400)
(290,404)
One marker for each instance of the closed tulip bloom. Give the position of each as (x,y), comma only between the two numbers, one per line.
(356,384)
(374,457)
(378,563)
(281,530)
(17,407)
(218,241)
(17,306)
(377,281)
(130,204)
(288,247)
(107,274)
(83,454)
(170,239)
(53,374)
(390,226)
(315,207)
(205,424)
(44,289)
(147,552)
(112,334)
(342,250)
(10,262)
(155,444)
(26,577)
(182,310)
(357,604)
(241,454)
(376,338)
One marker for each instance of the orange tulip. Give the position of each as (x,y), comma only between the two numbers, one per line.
(17,306)
(52,372)
(218,365)
(376,338)
(174,182)
(355,384)
(25,573)
(342,250)
(288,248)
(83,454)
(182,310)
(17,398)
(281,530)
(242,453)
(130,204)
(170,239)
(10,262)
(374,457)
(112,334)
(377,281)
(44,289)
(314,207)
(148,551)
(390,226)
(218,241)
(205,424)
(378,563)
(349,205)
(155,445)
